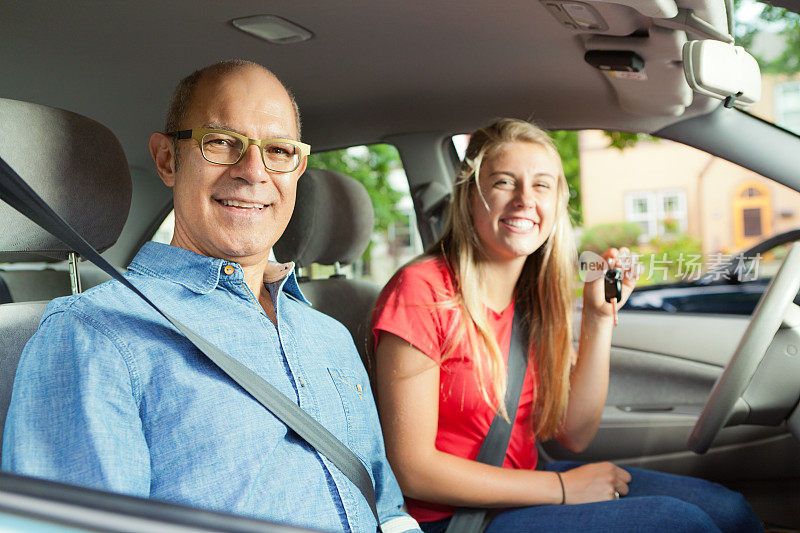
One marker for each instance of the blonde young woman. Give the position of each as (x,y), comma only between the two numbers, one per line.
(442,330)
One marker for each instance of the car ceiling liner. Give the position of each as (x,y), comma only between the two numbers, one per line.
(662,56)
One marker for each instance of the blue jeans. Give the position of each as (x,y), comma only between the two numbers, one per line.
(656,502)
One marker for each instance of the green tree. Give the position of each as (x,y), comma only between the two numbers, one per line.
(666,260)
(567,144)
(776,20)
(600,238)
(371,166)
(622,139)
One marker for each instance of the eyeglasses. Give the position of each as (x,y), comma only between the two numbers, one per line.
(223,147)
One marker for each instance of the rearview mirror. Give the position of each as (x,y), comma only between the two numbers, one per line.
(723,71)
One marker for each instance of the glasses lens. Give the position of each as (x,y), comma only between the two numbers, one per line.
(222,148)
(281,157)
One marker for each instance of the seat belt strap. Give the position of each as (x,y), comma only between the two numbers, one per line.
(20,196)
(495,445)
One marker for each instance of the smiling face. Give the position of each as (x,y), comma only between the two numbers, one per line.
(519,184)
(234,212)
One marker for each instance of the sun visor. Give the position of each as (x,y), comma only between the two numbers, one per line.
(637,46)
(657,87)
(722,71)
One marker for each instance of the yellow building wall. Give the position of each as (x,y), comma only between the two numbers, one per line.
(710,185)
(722,215)
(765,108)
(608,174)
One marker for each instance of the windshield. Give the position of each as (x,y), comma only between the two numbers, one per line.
(772,35)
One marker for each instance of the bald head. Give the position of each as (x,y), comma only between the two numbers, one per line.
(245,100)
(185,90)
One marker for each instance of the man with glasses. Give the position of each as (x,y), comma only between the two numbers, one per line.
(108,395)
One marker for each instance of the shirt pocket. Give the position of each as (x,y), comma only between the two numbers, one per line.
(352,389)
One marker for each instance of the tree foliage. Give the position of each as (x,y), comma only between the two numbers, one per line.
(664,259)
(600,238)
(774,20)
(622,139)
(567,144)
(371,165)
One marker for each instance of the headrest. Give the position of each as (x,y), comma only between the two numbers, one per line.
(332,220)
(76,165)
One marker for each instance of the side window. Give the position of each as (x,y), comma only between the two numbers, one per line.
(395,239)
(695,221)
(787,105)
(165,231)
(685,213)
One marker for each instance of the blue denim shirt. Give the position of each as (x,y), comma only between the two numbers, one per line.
(109,395)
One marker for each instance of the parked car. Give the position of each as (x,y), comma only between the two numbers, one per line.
(731,289)
(414,74)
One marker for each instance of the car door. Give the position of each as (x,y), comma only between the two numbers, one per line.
(664,364)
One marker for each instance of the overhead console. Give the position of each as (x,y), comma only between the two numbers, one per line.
(661,56)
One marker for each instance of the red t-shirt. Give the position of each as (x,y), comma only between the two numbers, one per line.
(407,308)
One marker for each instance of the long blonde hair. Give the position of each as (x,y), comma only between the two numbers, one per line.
(543,290)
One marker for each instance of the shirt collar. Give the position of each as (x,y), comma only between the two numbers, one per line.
(200,273)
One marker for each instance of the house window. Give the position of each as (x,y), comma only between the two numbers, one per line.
(751,192)
(640,208)
(672,217)
(752,222)
(658,213)
(752,213)
(787,106)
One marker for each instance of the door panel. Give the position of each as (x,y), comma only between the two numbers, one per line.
(662,370)
(703,338)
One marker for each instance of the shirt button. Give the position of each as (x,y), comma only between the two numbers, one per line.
(228,270)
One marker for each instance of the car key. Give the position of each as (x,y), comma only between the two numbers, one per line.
(613,288)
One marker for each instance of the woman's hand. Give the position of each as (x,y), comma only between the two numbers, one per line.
(594,482)
(594,300)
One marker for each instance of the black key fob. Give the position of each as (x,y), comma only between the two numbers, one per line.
(613,284)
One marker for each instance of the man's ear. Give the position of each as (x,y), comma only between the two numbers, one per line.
(302,167)
(163,151)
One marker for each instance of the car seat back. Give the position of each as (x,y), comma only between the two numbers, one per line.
(332,224)
(79,168)
(18,322)
(33,284)
(5,294)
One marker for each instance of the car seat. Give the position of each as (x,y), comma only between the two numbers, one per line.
(332,224)
(79,168)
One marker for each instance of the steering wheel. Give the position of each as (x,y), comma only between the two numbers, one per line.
(726,399)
